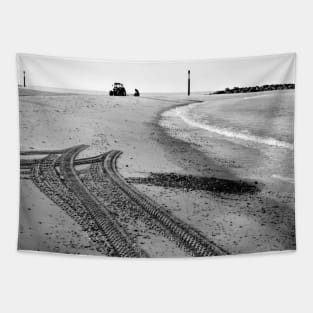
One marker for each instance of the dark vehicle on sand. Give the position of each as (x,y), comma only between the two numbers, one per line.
(118,90)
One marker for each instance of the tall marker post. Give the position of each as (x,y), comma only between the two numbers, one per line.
(188,83)
(24,78)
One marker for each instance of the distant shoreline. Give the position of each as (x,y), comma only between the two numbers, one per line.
(59,91)
(254,89)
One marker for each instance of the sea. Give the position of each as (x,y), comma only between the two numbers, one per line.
(251,133)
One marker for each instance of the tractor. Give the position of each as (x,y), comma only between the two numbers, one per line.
(118,90)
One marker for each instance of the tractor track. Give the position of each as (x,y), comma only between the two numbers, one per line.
(185,235)
(39,152)
(73,198)
(120,241)
(143,230)
(83,201)
(25,164)
(46,179)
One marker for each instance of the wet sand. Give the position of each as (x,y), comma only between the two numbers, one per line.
(240,222)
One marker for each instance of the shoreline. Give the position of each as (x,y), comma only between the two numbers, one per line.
(199,163)
(211,143)
(171,143)
(245,209)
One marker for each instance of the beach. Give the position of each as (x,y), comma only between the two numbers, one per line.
(235,206)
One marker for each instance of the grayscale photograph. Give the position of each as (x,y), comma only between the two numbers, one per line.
(156,159)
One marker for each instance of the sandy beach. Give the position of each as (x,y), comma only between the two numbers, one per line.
(246,216)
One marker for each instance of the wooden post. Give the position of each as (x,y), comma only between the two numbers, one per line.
(24,78)
(188,83)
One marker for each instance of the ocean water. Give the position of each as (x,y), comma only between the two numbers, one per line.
(257,127)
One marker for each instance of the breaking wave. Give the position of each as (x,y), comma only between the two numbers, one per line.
(182,113)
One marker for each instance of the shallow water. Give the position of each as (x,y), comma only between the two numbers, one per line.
(265,118)
(254,132)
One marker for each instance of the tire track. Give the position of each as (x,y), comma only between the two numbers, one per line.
(39,152)
(46,179)
(184,234)
(82,200)
(148,234)
(24,164)
(121,242)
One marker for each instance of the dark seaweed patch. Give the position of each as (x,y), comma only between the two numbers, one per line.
(190,182)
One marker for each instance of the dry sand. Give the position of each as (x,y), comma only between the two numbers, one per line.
(238,223)
(45,227)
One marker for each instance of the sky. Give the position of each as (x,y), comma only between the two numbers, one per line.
(155,76)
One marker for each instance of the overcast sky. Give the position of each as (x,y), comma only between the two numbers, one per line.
(156,76)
